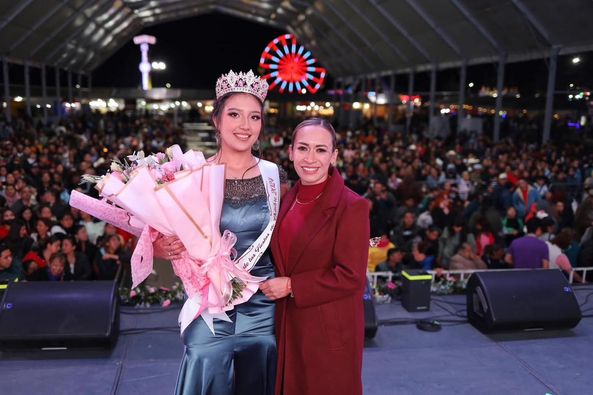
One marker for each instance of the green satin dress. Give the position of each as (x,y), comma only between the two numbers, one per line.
(241,357)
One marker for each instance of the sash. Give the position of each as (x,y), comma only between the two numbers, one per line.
(271,178)
(269,173)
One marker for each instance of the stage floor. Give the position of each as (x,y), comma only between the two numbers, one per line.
(400,359)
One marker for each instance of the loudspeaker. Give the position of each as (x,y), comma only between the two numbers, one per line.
(371,322)
(521,300)
(55,314)
(416,290)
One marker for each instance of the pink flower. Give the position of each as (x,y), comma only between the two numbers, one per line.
(168,176)
(169,167)
(133,293)
(161,157)
(151,289)
(390,285)
(165,289)
(166,303)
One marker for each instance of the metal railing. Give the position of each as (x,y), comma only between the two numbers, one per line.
(464,274)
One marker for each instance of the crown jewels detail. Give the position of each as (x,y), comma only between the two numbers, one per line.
(242,82)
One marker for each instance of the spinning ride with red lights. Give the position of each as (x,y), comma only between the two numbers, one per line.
(291,66)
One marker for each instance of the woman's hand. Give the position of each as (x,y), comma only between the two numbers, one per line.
(168,247)
(276,288)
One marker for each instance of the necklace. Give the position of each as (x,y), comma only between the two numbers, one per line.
(296,199)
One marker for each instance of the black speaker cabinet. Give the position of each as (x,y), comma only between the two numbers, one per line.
(416,290)
(54,315)
(521,300)
(371,323)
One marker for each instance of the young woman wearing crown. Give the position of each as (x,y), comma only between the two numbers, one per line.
(240,357)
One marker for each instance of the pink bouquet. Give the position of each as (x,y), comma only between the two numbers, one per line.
(176,194)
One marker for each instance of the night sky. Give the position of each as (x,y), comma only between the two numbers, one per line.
(198,49)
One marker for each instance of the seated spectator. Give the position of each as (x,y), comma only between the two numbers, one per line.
(512,226)
(404,234)
(464,186)
(109,231)
(419,258)
(56,270)
(524,197)
(44,211)
(559,260)
(9,269)
(394,262)
(94,228)
(65,226)
(378,253)
(382,208)
(440,211)
(7,218)
(18,240)
(29,219)
(11,195)
(49,247)
(482,235)
(529,252)
(41,234)
(494,256)
(34,267)
(466,259)
(451,239)
(540,186)
(77,265)
(547,224)
(83,245)
(110,257)
(26,200)
(57,207)
(563,215)
(574,248)
(431,237)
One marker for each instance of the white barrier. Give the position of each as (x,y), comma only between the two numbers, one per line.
(463,274)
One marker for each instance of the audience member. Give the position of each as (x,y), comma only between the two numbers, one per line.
(529,252)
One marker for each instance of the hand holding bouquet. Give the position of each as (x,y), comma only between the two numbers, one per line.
(176,194)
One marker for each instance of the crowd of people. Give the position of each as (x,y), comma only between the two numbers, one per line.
(463,203)
(41,236)
(468,203)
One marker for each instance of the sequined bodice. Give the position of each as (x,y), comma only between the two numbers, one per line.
(242,192)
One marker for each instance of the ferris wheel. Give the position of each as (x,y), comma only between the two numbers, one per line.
(291,67)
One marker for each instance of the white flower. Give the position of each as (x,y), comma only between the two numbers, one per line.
(138,157)
(116,167)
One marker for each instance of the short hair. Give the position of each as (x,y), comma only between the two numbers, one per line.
(392,251)
(422,247)
(4,247)
(463,246)
(533,225)
(59,256)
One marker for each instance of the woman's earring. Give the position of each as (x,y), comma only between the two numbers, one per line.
(255,146)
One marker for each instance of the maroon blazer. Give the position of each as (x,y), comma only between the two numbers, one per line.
(320,331)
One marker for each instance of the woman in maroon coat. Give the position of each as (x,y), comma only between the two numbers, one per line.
(320,249)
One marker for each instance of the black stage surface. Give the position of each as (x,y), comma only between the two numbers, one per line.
(401,359)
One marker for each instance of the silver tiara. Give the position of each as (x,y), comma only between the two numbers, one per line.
(242,82)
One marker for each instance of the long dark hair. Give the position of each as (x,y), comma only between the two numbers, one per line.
(216,114)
